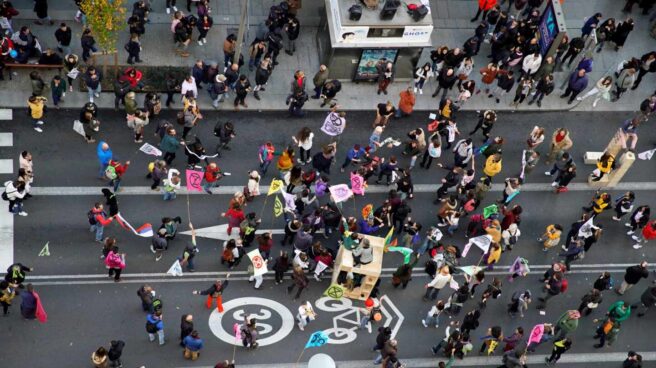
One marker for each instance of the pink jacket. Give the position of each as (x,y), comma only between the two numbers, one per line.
(114,260)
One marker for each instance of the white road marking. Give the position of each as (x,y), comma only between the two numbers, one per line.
(575,267)
(472,361)
(252,305)
(6,140)
(6,114)
(220,232)
(6,237)
(391,316)
(6,166)
(419,188)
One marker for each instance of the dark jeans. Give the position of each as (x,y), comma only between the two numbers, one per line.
(427,160)
(116,272)
(571,93)
(169,98)
(5,307)
(478,13)
(170,3)
(169,157)
(280,275)
(298,292)
(185,131)
(431,293)
(155,183)
(554,356)
(133,57)
(571,55)
(240,99)
(304,154)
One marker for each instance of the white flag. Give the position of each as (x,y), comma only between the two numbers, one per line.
(646,155)
(149,149)
(79,128)
(176,269)
(585,231)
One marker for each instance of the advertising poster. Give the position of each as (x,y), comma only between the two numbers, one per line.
(369,58)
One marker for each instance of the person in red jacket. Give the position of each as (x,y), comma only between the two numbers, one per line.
(648,233)
(133,77)
(484,6)
(98,220)
(212,176)
(235,216)
(114,173)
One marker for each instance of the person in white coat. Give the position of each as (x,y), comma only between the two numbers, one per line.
(305,315)
(189,84)
(510,236)
(531,64)
(442,279)
(171,184)
(253,186)
(14,193)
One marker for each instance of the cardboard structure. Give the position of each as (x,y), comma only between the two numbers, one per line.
(370,272)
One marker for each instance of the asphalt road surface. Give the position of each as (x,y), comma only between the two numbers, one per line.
(86,309)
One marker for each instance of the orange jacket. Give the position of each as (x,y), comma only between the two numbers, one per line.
(407,102)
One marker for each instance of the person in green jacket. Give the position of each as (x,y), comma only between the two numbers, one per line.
(169,145)
(567,323)
(619,311)
(58,89)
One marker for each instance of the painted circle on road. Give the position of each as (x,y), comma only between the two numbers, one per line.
(261,309)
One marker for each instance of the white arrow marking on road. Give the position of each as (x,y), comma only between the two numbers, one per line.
(389,316)
(220,232)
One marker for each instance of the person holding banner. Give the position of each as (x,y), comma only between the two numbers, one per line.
(305,315)
(215,291)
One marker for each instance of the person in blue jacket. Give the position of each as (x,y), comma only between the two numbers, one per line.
(154,325)
(193,344)
(590,25)
(105,155)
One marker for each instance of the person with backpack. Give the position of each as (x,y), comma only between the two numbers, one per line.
(115,262)
(189,253)
(212,176)
(115,352)
(14,193)
(552,287)
(225,132)
(114,172)
(147,295)
(171,184)
(155,326)
(192,345)
(559,347)
(98,220)
(567,323)
(519,302)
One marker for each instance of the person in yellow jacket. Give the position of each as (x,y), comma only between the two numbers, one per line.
(492,165)
(600,203)
(493,255)
(37,106)
(286,160)
(604,166)
(494,230)
(551,236)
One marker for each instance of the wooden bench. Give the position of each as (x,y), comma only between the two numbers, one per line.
(10,66)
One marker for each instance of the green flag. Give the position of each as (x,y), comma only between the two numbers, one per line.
(334,291)
(277,207)
(407,253)
(490,210)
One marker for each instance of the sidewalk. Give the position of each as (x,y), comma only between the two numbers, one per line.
(452,24)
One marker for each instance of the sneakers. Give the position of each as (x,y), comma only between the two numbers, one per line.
(423,322)
(39,122)
(421,91)
(157,258)
(152,249)
(200,43)
(547,173)
(317,278)
(22,213)
(629,232)
(637,246)
(616,218)
(38,129)
(635,237)
(415,89)
(300,327)
(627,224)
(97,95)
(175,9)
(554,184)
(168,10)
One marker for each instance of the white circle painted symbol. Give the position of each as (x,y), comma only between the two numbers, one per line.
(259,308)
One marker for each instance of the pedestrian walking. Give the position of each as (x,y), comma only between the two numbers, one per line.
(7,294)
(559,347)
(99,358)
(566,324)
(552,286)
(98,219)
(93,78)
(386,73)
(37,108)
(155,326)
(624,81)
(560,143)
(577,82)
(192,345)
(242,88)
(305,315)
(606,332)
(115,262)
(648,233)
(115,352)
(590,302)
(632,276)
(407,102)
(186,327)
(299,281)
(133,48)
(622,33)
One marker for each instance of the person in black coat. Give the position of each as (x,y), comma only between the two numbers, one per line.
(632,276)
(133,47)
(63,35)
(112,201)
(292,30)
(647,300)
(445,80)
(262,75)
(242,88)
(41,10)
(576,44)
(186,327)
(544,88)
(330,90)
(115,352)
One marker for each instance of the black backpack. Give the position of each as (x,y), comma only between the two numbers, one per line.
(151,327)
(92,217)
